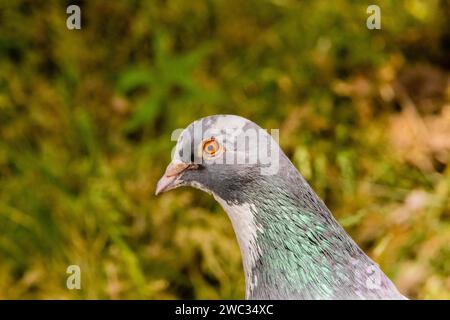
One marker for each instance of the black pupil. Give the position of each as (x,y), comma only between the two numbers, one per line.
(210,148)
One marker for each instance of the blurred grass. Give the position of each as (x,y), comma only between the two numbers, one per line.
(86,118)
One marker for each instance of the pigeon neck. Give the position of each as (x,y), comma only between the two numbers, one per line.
(292,247)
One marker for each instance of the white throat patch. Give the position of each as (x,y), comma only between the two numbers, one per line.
(245,227)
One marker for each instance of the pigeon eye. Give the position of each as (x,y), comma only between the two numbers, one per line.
(211,147)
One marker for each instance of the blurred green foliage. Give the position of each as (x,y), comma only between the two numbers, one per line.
(86,118)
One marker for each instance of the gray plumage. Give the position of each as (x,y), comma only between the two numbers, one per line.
(291,245)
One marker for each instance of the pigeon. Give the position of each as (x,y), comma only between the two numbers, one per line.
(291,245)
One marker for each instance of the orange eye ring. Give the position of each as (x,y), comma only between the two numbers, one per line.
(211,147)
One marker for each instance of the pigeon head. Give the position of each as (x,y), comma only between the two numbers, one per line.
(291,245)
(221,154)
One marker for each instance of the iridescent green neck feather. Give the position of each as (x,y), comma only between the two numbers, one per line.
(293,248)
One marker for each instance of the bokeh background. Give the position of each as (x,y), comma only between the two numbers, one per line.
(86,118)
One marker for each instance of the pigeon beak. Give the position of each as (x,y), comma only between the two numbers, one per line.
(169,180)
